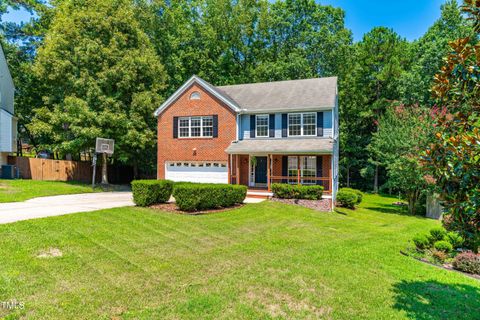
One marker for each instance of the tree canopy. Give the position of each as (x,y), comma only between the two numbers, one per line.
(101,78)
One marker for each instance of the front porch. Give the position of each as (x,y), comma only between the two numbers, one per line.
(259,171)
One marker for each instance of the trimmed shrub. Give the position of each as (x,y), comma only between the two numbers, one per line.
(467,262)
(443,245)
(439,256)
(347,199)
(291,191)
(437,234)
(204,196)
(421,241)
(357,192)
(310,192)
(148,192)
(455,239)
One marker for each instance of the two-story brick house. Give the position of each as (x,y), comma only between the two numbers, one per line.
(251,134)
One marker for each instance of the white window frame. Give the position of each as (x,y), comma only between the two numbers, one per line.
(301,124)
(256,125)
(307,180)
(202,126)
(195,95)
(303,162)
(292,179)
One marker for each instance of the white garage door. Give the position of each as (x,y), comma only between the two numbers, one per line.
(207,172)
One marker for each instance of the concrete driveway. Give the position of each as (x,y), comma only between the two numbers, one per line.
(60,205)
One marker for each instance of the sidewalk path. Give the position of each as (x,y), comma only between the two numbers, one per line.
(60,205)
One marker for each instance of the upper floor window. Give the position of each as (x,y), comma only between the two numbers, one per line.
(195,95)
(261,125)
(302,124)
(193,127)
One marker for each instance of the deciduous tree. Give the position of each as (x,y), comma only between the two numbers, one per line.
(102,78)
(454,157)
(403,132)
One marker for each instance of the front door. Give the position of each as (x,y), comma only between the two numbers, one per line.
(261,170)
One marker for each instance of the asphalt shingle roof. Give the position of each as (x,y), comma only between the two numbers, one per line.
(283,95)
(281,146)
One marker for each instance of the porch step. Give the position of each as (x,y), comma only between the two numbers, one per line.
(259,194)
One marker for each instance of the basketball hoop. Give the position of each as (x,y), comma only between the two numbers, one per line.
(105,147)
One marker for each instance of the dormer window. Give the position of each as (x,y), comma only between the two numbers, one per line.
(195,95)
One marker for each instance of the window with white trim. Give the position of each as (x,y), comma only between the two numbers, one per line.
(302,124)
(195,127)
(261,125)
(292,169)
(308,166)
(308,169)
(195,95)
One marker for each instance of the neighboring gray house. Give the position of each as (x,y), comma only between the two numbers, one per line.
(8,122)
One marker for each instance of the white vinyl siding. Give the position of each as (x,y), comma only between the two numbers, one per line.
(195,127)
(6,132)
(302,124)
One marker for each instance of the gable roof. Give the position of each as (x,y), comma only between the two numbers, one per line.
(204,84)
(289,95)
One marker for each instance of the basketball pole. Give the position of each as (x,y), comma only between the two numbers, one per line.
(104,169)
(94,164)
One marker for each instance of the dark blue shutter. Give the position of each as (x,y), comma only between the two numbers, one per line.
(319,124)
(319,169)
(271,125)
(284,168)
(215,126)
(252,126)
(175,127)
(284,125)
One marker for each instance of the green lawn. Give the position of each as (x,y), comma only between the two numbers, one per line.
(21,190)
(261,261)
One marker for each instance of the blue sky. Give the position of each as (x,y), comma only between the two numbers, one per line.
(409,18)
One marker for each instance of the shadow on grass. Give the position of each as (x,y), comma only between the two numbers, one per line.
(432,300)
(389,208)
(340,211)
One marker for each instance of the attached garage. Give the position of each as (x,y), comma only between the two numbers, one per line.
(206,172)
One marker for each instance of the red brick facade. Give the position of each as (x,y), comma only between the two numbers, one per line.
(194,149)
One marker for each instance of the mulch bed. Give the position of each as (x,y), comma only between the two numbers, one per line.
(445,266)
(172,207)
(320,205)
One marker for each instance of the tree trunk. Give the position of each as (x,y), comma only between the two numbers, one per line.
(375,180)
(348,177)
(135,169)
(412,201)
(104,169)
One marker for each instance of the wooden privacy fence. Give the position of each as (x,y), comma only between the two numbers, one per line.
(53,170)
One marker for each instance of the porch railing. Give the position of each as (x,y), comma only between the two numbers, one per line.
(324,181)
